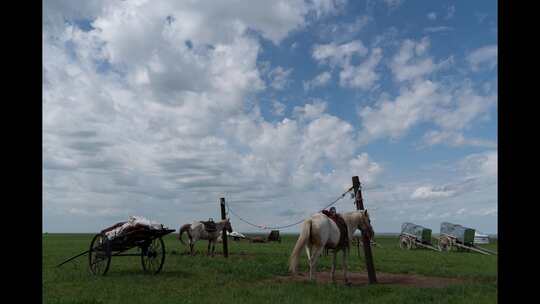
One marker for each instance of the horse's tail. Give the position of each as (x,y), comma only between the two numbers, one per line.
(183,229)
(304,237)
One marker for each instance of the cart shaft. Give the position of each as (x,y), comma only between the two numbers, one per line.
(72,258)
(427,246)
(471,248)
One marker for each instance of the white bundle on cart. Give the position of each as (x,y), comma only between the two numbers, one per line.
(134,222)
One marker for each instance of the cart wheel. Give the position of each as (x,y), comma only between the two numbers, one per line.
(99,257)
(153,256)
(444,244)
(402,242)
(405,243)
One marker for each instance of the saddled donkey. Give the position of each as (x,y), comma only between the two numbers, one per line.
(197,231)
(320,231)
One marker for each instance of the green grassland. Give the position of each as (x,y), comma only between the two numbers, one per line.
(248,275)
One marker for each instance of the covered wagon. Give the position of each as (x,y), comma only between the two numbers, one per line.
(459,237)
(415,236)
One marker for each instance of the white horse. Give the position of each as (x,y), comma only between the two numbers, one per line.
(196,231)
(320,231)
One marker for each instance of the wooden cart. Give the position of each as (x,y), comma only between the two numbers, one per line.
(410,241)
(448,242)
(415,236)
(460,238)
(149,243)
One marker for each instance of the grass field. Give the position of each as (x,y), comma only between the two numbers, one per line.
(249,275)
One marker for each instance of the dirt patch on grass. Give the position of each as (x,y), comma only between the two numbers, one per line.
(361,279)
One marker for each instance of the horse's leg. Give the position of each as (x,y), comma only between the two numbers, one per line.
(345,266)
(308,252)
(191,245)
(334,254)
(213,248)
(313,263)
(209,243)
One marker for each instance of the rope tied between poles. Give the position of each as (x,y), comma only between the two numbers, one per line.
(229,210)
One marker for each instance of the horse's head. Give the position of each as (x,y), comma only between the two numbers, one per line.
(365,225)
(228,226)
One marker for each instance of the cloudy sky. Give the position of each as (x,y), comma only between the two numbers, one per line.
(159,108)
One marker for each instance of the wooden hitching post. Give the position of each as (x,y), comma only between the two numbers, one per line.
(224,232)
(365,240)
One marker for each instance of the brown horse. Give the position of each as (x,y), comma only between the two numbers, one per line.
(196,231)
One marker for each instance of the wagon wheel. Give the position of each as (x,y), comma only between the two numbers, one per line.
(99,256)
(153,256)
(402,242)
(444,244)
(405,243)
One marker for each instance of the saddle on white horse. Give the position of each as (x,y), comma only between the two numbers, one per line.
(343,230)
(209,226)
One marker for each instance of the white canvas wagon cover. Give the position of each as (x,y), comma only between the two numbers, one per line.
(423,234)
(461,233)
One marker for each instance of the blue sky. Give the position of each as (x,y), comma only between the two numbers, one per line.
(159,110)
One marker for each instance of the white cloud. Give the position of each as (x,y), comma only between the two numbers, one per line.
(311,110)
(468,105)
(478,172)
(410,63)
(437,29)
(480,164)
(367,169)
(338,55)
(343,31)
(362,76)
(327,7)
(483,57)
(394,118)
(279,77)
(319,81)
(166,125)
(426,101)
(454,139)
(278,108)
(430,192)
(432,16)
(393,4)
(451,107)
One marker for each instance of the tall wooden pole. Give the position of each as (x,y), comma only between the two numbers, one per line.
(224,232)
(365,240)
